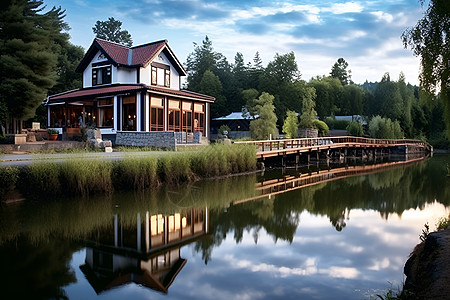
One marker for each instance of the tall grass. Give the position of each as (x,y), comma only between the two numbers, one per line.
(82,176)
(8,179)
(85,176)
(136,172)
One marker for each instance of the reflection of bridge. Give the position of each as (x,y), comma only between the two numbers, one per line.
(288,183)
(272,148)
(145,251)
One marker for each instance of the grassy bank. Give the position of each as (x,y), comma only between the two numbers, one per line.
(87,176)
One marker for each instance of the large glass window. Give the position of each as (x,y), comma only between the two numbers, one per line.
(157,114)
(129,113)
(75,116)
(199,117)
(57,116)
(187,116)
(101,75)
(174,115)
(106,112)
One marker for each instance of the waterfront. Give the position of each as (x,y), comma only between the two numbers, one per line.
(343,239)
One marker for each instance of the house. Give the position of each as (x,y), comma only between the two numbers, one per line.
(238,122)
(133,95)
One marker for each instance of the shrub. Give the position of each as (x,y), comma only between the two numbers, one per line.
(384,128)
(321,126)
(337,124)
(224,128)
(355,129)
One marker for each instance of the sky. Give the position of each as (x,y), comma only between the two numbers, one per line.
(367,34)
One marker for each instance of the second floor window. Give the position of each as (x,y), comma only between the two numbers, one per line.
(154,75)
(167,78)
(101,75)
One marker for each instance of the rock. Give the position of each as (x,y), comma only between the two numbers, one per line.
(428,268)
(108,149)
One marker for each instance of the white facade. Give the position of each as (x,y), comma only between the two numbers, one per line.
(129,75)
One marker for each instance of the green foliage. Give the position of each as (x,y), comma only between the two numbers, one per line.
(429,40)
(382,128)
(308,112)
(444,222)
(355,128)
(52,131)
(30,45)
(210,85)
(290,126)
(111,30)
(266,124)
(8,178)
(321,126)
(43,177)
(339,71)
(224,128)
(337,124)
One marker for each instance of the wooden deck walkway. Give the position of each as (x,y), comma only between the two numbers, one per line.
(283,147)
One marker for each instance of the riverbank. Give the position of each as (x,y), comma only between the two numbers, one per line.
(428,268)
(85,174)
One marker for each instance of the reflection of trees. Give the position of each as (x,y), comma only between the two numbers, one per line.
(36,271)
(389,192)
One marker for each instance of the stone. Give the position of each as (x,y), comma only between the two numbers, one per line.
(108,149)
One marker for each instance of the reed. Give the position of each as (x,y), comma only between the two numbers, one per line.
(85,176)
(43,177)
(136,172)
(175,168)
(8,179)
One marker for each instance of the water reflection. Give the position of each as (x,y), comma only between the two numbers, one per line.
(146,253)
(328,230)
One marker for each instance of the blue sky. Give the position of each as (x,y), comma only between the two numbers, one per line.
(365,33)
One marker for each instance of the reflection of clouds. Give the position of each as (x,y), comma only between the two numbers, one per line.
(309,267)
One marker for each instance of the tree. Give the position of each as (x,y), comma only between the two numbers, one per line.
(30,42)
(385,128)
(429,39)
(339,71)
(290,126)
(308,112)
(266,124)
(111,30)
(210,85)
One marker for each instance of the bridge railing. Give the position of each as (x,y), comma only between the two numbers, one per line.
(277,145)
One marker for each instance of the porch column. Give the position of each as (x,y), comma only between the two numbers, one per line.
(138,111)
(166,113)
(207,119)
(48,116)
(116,113)
(147,112)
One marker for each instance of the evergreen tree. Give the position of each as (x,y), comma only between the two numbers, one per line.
(210,85)
(308,112)
(290,126)
(266,124)
(30,44)
(111,30)
(339,71)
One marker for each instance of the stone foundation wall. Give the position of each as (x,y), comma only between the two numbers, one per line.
(308,133)
(162,139)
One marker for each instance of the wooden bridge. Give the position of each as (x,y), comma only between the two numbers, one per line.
(284,147)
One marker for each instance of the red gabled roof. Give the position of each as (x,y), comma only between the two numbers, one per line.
(117,52)
(138,56)
(111,90)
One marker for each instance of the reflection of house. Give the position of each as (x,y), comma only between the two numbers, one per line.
(146,253)
(238,122)
(135,89)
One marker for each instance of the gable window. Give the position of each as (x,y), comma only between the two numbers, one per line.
(167,78)
(101,75)
(154,75)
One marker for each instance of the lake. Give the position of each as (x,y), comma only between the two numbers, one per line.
(319,232)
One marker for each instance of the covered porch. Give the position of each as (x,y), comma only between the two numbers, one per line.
(129,108)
